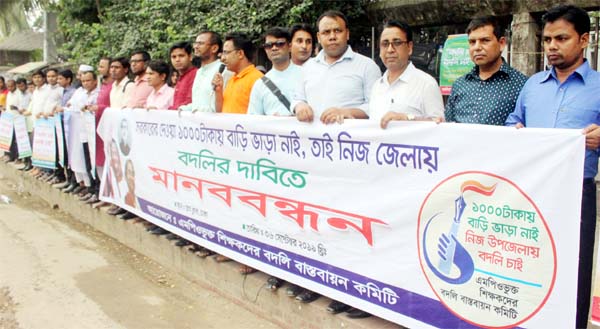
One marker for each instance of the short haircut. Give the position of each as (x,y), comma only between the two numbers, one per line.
(160,67)
(241,41)
(402,26)
(21,81)
(278,32)
(67,74)
(574,15)
(332,14)
(122,60)
(145,55)
(38,72)
(185,45)
(215,39)
(303,27)
(52,69)
(90,72)
(480,22)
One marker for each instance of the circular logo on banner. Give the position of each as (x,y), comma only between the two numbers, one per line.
(486,250)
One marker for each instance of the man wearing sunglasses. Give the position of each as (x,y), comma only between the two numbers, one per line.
(237,55)
(404,92)
(271,95)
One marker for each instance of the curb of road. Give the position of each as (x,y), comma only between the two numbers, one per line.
(247,291)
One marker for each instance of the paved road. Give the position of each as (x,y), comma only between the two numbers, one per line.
(56,272)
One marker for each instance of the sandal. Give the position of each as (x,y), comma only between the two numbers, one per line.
(245,269)
(203,252)
(274,283)
(222,259)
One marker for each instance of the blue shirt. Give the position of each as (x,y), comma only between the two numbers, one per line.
(262,99)
(544,102)
(67,94)
(346,83)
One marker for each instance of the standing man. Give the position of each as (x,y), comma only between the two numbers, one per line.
(568,96)
(404,92)
(271,95)
(181,59)
(207,47)
(37,106)
(140,91)
(64,80)
(13,101)
(102,102)
(337,83)
(237,55)
(488,93)
(303,41)
(122,86)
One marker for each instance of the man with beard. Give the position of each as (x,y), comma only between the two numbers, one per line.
(140,91)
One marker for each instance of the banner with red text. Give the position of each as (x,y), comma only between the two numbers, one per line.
(428,226)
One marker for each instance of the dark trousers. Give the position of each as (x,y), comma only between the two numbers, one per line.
(13,153)
(587,234)
(88,168)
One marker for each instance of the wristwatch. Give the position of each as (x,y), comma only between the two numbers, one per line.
(410,117)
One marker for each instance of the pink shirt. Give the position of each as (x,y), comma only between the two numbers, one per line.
(139,93)
(161,99)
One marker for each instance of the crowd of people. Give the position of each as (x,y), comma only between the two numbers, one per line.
(214,74)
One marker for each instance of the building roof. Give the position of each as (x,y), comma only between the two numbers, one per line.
(23,41)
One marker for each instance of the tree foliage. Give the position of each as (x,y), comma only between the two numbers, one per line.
(91,29)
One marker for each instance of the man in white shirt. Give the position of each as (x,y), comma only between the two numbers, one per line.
(336,84)
(13,101)
(404,92)
(122,86)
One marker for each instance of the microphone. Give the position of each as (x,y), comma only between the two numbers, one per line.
(221,70)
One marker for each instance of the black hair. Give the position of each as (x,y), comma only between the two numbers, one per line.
(303,27)
(241,41)
(574,15)
(67,74)
(332,14)
(38,72)
(52,69)
(278,32)
(480,22)
(185,45)
(160,67)
(21,80)
(215,39)
(123,61)
(145,55)
(402,26)
(92,72)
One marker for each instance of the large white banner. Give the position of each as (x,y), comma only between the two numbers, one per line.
(429,226)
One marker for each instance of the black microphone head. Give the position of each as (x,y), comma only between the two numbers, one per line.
(222,68)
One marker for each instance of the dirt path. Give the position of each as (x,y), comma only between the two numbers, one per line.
(56,272)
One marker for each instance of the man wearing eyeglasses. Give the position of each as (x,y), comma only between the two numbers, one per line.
(237,55)
(337,83)
(404,93)
(140,91)
(207,47)
(271,95)
(487,94)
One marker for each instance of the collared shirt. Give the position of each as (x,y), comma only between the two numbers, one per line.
(38,100)
(346,83)
(203,95)
(544,102)
(80,98)
(53,99)
(161,99)
(120,93)
(67,94)
(413,92)
(262,99)
(14,98)
(236,95)
(489,102)
(183,89)
(139,93)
